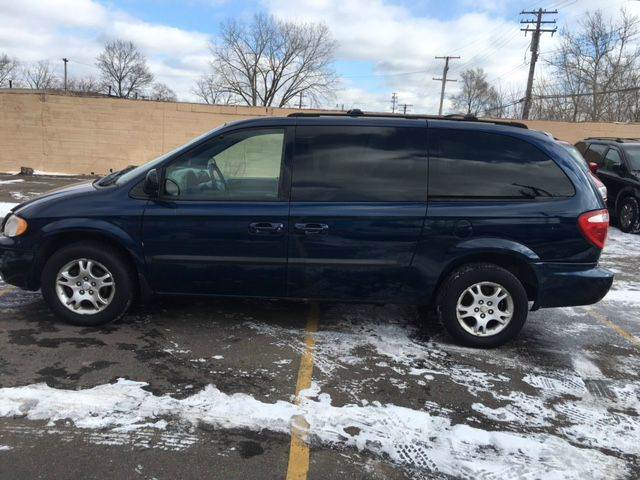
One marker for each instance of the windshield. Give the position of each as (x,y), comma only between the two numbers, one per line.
(633,155)
(577,156)
(157,161)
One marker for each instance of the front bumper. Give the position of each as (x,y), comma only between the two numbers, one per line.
(569,285)
(16,265)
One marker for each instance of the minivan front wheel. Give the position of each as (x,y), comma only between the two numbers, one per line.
(482,305)
(87,284)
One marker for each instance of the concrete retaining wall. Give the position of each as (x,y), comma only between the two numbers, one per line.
(80,135)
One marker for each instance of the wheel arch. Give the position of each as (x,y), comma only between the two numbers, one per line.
(516,263)
(112,237)
(626,192)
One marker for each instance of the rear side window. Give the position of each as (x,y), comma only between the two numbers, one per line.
(595,153)
(359,164)
(466,164)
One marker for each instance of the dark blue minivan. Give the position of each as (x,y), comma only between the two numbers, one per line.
(482,220)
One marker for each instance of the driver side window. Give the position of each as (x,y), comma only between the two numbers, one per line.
(612,160)
(239,166)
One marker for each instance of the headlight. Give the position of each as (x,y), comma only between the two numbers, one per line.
(14,226)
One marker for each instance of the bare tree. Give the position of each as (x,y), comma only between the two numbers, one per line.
(8,69)
(477,95)
(270,62)
(123,67)
(84,85)
(209,89)
(40,76)
(162,93)
(599,57)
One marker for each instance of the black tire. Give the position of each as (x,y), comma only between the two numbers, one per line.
(116,264)
(629,215)
(458,281)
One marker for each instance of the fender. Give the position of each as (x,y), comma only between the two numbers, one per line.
(495,245)
(96,227)
(488,249)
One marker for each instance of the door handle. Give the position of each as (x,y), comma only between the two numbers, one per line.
(311,228)
(266,227)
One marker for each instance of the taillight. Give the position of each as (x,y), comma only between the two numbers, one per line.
(594,226)
(600,186)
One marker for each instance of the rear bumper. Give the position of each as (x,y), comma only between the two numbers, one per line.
(569,285)
(16,265)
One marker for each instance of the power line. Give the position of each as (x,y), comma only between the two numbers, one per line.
(535,46)
(586,94)
(565,95)
(444,79)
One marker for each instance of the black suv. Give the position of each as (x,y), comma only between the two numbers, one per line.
(616,161)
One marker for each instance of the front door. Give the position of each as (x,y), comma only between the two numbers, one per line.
(612,173)
(358,203)
(220,224)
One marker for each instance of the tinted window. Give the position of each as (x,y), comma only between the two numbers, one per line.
(359,164)
(612,160)
(633,155)
(241,165)
(483,165)
(582,147)
(577,157)
(595,153)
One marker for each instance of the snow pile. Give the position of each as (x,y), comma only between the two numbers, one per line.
(7,182)
(4,448)
(408,437)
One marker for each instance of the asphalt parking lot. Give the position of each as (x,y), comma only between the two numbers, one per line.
(186,388)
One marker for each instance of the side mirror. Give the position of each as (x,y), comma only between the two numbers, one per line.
(151,184)
(593,167)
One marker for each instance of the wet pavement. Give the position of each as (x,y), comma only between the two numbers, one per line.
(391,396)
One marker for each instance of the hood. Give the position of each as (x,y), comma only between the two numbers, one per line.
(68,191)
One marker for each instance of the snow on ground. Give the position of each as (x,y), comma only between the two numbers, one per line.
(401,434)
(622,249)
(5,208)
(5,448)
(6,182)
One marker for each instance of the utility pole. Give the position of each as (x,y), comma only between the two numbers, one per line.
(444,78)
(535,47)
(300,101)
(394,102)
(65,60)
(405,106)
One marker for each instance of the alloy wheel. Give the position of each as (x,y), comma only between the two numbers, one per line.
(85,286)
(484,309)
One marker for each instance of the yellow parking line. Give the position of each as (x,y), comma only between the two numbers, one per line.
(298,468)
(618,329)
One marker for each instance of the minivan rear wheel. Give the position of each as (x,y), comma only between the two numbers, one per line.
(482,305)
(87,284)
(629,215)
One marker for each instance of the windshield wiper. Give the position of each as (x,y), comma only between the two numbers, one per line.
(112,177)
(529,191)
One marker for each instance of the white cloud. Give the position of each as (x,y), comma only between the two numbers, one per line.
(398,43)
(66,13)
(33,30)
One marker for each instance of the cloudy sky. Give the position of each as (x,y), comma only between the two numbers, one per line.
(385,46)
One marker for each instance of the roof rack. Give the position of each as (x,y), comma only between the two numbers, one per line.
(359,113)
(615,139)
